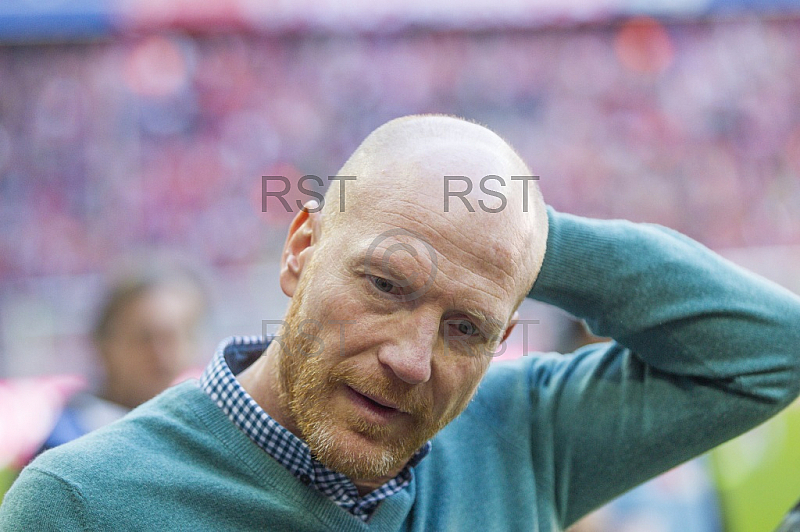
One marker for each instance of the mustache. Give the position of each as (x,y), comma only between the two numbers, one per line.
(405,396)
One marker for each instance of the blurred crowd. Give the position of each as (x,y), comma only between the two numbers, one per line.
(164,138)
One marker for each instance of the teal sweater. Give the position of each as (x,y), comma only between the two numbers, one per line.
(703,352)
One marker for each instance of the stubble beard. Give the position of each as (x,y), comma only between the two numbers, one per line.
(308,381)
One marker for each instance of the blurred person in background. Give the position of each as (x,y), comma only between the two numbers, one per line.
(145,336)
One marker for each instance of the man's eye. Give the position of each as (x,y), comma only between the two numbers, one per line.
(384,285)
(465,327)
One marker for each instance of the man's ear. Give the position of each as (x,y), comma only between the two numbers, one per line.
(299,246)
(511,324)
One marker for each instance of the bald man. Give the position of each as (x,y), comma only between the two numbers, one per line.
(377,408)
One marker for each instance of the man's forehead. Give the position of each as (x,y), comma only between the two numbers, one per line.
(400,212)
(431,246)
(474,286)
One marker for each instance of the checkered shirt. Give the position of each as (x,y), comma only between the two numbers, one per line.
(218,381)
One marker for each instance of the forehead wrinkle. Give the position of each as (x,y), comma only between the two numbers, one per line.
(479,286)
(446,240)
(456,298)
(495,267)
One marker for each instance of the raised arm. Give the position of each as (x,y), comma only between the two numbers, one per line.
(703,351)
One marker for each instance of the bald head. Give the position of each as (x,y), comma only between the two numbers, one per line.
(439,165)
(419,151)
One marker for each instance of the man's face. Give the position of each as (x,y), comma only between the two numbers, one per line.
(387,337)
(150,342)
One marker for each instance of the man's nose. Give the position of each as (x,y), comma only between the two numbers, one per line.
(410,352)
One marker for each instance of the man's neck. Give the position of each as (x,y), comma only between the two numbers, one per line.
(261,381)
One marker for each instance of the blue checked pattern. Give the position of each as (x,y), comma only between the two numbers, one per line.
(219,383)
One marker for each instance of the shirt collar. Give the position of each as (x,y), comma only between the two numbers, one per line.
(219,382)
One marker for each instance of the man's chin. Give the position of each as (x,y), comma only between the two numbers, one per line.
(355,454)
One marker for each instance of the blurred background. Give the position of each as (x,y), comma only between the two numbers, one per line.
(133,126)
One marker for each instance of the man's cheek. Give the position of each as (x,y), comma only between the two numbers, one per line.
(309,331)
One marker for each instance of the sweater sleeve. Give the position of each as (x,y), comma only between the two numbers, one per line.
(41,501)
(702,351)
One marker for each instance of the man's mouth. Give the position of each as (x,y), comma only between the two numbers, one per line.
(376,408)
